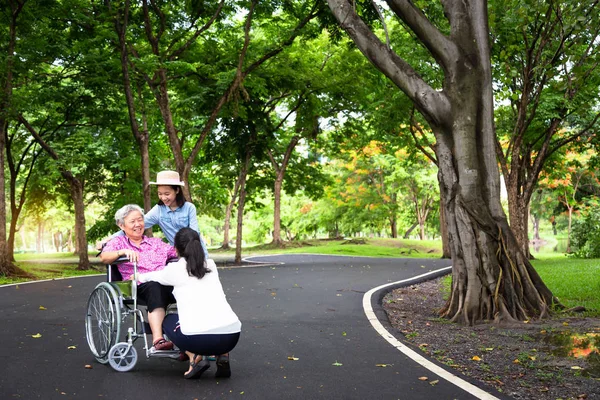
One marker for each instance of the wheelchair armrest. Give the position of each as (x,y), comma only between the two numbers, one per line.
(112,271)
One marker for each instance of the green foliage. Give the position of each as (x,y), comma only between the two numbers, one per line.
(586,233)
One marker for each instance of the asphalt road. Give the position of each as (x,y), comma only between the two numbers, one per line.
(309,308)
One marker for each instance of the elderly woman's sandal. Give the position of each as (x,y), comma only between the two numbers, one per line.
(162,344)
(198,367)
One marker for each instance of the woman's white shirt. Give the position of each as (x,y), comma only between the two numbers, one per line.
(201,303)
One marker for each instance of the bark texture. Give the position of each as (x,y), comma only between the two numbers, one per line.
(491,278)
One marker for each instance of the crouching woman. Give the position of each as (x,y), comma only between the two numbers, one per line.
(205,323)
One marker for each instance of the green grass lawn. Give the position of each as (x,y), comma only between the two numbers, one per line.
(574,282)
(372,248)
(50,266)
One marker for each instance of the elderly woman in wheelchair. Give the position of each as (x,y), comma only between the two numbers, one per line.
(111,302)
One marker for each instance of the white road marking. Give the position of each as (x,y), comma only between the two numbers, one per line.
(410,353)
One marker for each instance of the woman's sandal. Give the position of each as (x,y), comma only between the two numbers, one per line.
(223,368)
(197,367)
(162,344)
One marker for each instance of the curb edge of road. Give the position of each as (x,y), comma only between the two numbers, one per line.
(373,309)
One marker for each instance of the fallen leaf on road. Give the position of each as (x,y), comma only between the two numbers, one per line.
(337,364)
(42,308)
(292,358)
(489,348)
(475,358)
(423,378)
(72,347)
(383,365)
(433,383)
(88,366)
(36,336)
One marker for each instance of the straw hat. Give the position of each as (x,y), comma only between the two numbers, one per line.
(168,178)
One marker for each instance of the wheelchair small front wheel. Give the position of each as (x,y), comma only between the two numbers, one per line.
(122,357)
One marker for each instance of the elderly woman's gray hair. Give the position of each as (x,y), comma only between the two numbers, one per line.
(125,211)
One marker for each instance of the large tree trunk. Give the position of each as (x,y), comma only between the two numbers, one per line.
(491,278)
(17,206)
(570,214)
(240,226)
(277,211)
(536,227)
(446,251)
(80,233)
(227,223)
(241,204)
(279,175)
(7,267)
(394,226)
(228,210)
(518,210)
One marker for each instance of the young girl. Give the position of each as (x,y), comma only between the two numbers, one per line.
(172,211)
(205,323)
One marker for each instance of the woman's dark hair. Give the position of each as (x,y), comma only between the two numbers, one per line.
(179,197)
(187,243)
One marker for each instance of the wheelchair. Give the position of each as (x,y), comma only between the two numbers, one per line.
(111,305)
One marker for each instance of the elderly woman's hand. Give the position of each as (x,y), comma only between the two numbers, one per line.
(131,255)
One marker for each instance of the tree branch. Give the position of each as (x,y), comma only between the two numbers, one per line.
(432,104)
(438,45)
(38,138)
(186,45)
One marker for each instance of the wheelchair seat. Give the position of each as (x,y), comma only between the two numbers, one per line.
(113,275)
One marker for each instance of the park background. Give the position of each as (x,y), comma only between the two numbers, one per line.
(281,129)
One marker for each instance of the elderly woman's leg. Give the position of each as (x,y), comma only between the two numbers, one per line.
(155,319)
(156,297)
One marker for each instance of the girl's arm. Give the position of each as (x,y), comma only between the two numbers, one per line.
(193,218)
(152,217)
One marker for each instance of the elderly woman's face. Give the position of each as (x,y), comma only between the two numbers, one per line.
(133,225)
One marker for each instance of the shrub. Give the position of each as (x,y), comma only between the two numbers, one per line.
(586,234)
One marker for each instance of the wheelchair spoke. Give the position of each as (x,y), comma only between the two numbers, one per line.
(102,321)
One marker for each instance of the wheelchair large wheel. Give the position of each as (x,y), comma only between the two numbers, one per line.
(122,357)
(103,321)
